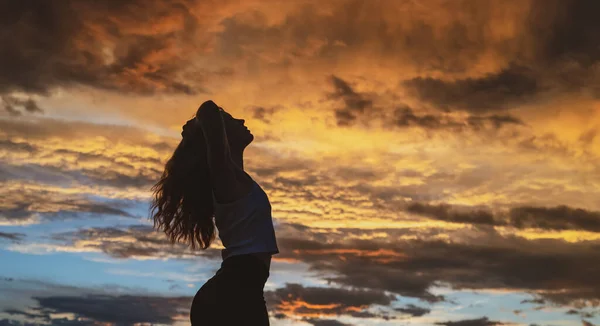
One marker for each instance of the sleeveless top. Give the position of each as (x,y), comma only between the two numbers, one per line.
(245,226)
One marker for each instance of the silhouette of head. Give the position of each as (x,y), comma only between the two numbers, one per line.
(238,135)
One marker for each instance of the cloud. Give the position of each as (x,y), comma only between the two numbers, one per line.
(124,309)
(534,301)
(555,218)
(413,310)
(445,213)
(131,47)
(476,259)
(28,205)
(568,30)
(484,321)
(39,302)
(351,34)
(467,66)
(354,103)
(12,236)
(494,92)
(405,117)
(522,217)
(360,106)
(296,299)
(55,169)
(123,306)
(496,120)
(66,153)
(553,56)
(264,114)
(135,242)
(583,314)
(325,322)
(11,105)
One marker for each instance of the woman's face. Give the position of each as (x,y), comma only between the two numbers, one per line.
(238,135)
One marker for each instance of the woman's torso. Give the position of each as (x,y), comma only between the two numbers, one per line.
(245,225)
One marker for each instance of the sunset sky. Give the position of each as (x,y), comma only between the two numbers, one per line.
(428,162)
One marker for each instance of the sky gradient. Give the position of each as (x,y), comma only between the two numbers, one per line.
(428,162)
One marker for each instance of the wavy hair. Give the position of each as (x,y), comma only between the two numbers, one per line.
(182,204)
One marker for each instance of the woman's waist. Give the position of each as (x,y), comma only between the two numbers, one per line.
(245,268)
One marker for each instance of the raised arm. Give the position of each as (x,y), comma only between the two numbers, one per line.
(222,169)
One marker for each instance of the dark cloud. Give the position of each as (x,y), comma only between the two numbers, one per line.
(12,146)
(583,314)
(107,46)
(125,309)
(45,303)
(497,91)
(557,52)
(445,213)
(484,321)
(12,236)
(495,119)
(8,322)
(405,117)
(555,218)
(558,271)
(359,106)
(548,218)
(325,301)
(325,322)
(354,103)
(413,310)
(534,301)
(355,267)
(565,30)
(136,47)
(15,106)
(264,113)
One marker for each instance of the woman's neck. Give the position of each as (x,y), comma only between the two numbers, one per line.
(238,158)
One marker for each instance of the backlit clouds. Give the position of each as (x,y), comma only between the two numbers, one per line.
(406,147)
(294,299)
(471,259)
(130,47)
(135,242)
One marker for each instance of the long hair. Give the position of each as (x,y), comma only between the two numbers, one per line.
(182,204)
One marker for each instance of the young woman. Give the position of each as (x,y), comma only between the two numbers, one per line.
(205,178)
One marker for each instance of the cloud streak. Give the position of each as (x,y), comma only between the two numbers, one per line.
(522,217)
(297,300)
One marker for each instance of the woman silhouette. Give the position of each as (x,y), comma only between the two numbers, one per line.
(205,178)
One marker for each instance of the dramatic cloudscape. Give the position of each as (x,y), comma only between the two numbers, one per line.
(431,162)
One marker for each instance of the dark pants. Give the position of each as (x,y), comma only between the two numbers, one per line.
(234,296)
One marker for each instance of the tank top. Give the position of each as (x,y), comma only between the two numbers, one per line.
(245,226)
